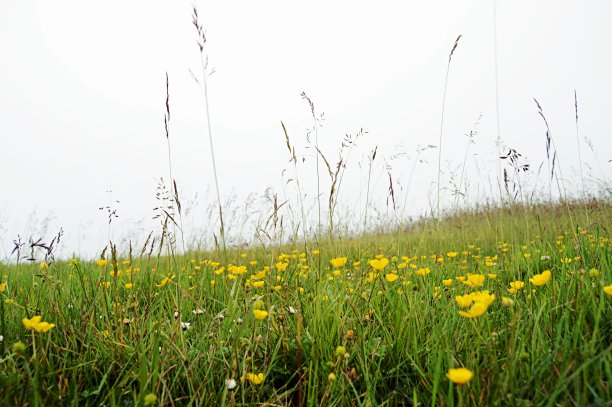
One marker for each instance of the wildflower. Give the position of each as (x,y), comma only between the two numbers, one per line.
(185,325)
(43,266)
(477,310)
(230,384)
(255,378)
(340,351)
(447,282)
(391,277)
(129,285)
(451,254)
(459,376)
(1,338)
(338,262)
(594,273)
(36,324)
(608,289)
(475,280)
(74,262)
(163,282)
(237,270)
(515,286)
(464,300)
(331,377)
(379,264)
(540,279)
(484,297)
(2,287)
(423,271)
(507,302)
(315,252)
(280,266)
(492,276)
(198,311)
(258,284)
(260,314)
(101,263)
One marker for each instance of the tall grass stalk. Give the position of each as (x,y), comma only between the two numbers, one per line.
(204,87)
(450,57)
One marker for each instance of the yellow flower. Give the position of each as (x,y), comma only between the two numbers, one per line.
(391,277)
(129,285)
(237,270)
(36,324)
(459,376)
(507,302)
(220,271)
(43,266)
(492,276)
(608,289)
(163,282)
(255,378)
(475,280)
(379,264)
(464,300)
(423,271)
(541,279)
(101,263)
(452,254)
(484,297)
(280,266)
(260,314)
(338,262)
(258,284)
(515,286)
(477,310)
(447,282)
(315,252)
(2,287)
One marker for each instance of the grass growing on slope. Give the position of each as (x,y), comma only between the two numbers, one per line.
(520,298)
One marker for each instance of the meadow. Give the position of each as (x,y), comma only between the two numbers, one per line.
(519,297)
(503,299)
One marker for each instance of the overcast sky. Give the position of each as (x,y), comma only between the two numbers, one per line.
(82,92)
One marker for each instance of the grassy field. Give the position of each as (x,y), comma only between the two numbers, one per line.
(521,297)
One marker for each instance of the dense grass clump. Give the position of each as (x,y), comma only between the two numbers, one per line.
(520,297)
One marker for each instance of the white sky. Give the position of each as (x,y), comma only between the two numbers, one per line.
(82,91)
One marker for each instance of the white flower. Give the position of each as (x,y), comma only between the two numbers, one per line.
(238,321)
(230,384)
(291,309)
(198,311)
(1,338)
(176,314)
(185,325)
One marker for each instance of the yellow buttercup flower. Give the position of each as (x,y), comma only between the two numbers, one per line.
(515,286)
(464,300)
(475,280)
(255,378)
(379,264)
(460,375)
(281,266)
(338,262)
(260,314)
(101,263)
(608,289)
(477,310)
(2,287)
(447,282)
(541,279)
(391,277)
(36,324)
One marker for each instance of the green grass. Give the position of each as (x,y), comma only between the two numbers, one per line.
(116,345)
